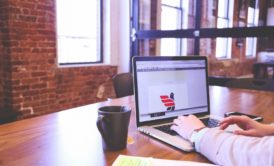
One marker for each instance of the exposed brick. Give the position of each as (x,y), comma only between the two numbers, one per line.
(23,4)
(21,88)
(38,74)
(31,78)
(39,86)
(45,7)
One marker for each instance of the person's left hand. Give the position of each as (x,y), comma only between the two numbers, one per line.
(185,125)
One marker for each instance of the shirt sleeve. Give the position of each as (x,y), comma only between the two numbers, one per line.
(225,148)
(197,136)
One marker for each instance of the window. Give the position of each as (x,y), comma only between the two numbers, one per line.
(252,20)
(224,20)
(178,10)
(154,22)
(78,31)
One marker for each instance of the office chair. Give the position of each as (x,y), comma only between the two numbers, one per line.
(251,83)
(123,84)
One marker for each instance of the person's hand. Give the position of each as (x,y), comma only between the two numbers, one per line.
(185,125)
(250,127)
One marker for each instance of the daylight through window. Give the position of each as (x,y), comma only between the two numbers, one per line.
(252,20)
(78,31)
(224,20)
(178,11)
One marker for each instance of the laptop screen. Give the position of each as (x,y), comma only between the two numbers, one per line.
(166,87)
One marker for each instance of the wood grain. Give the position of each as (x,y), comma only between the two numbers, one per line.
(71,137)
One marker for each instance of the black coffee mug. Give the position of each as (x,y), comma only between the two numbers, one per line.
(112,123)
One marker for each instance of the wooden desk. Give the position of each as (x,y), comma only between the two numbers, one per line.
(71,137)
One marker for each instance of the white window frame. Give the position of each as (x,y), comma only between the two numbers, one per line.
(181,44)
(224,45)
(251,42)
(78,45)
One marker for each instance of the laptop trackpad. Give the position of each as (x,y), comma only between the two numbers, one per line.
(175,141)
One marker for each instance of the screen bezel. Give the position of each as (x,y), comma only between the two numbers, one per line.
(164,58)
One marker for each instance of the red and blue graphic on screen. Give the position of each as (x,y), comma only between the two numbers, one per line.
(168,101)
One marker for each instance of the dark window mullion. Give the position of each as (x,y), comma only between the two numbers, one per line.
(237,32)
(135,26)
(153,34)
(197,27)
(209,33)
(181,26)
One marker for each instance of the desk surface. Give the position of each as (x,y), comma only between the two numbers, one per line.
(71,138)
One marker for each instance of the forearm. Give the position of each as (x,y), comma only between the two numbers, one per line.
(228,149)
(269,130)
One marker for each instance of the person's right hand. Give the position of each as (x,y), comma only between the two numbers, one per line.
(250,127)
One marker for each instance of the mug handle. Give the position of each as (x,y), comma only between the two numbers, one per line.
(100,128)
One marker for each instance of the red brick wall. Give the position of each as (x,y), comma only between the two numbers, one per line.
(80,86)
(38,86)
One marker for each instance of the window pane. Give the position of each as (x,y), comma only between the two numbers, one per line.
(166,47)
(166,14)
(250,15)
(237,13)
(256,17)
(77,37)
(175,3)
(222,23)
(223,8)
(223,48)
(166,22)
(251,46)
(270,16)
(173,49)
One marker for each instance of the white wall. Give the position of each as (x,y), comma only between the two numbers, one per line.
(116,33)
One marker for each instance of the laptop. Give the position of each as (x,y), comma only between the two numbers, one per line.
(168,87)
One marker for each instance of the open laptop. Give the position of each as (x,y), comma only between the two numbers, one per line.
(167,87)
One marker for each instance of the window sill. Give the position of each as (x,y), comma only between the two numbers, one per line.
(84,65)
(223,59)
(250,57)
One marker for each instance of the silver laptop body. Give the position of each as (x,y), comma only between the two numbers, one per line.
(167,87)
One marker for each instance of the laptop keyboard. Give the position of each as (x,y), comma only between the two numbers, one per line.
(210,122)
(166,129)
(207,121)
